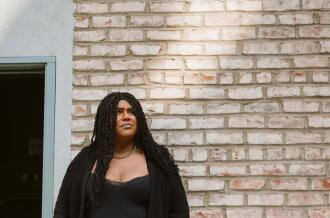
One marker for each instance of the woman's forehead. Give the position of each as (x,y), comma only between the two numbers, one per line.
(124,104)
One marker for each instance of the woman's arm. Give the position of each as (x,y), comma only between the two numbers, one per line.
(178,201)
(62,206)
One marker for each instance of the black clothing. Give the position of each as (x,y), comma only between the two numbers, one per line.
(167,197)
(121,199)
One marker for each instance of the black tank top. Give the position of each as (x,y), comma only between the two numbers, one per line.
(121,199)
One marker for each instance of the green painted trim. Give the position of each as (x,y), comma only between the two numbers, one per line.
(49,126)
(27,60)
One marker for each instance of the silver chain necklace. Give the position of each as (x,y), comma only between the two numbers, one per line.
(118,156)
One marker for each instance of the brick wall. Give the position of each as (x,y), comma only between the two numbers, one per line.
(238,89)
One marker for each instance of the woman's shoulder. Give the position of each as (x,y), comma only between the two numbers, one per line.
(85,153)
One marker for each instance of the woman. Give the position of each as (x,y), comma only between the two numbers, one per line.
(123,173)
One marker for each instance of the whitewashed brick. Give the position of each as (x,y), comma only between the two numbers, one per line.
(108,50)
(152,108)
(90,36)
(81,22)
(109,21)
(185,138)
(314,31)
(244,212)
(260,48)
(184,49)
(126,64)
(167,6)
(273,62)
(164,63)
(199,154)
(300,47)
(303,61)
(173,78)
(144,21)
(238,33)
(186,108)
(264,77)
(186,20)
(257,19)
(245,93)
(126,35)
(82,125)
(80,50)
(219,154)
(306,169)
(255,121)
(225,199)
(89,65)
(77,139)
(247,183)
(255,154)
(294,19)
(92,7)
(316,91)
(206,93)
(228,170)
(262,107)
(180,154)
(286,122)
(267,169)
(315,4)
(320,76)
(274,154)
(283,91)
(245,77)
(319,121)
(171,93)
(202,123)
(155,77)
(113,79)
(80,80)
(201,35)
(223,19)
(192,170)
(128,6)
(302,137)
(281,5)
(163,35)
(266,199)
(222,108)
(201,63)
(145,49)
(241,5)
(236,63)
(264,138)
(79,110)
(139,93)
(220,49)
(195,200)
(226,78)
(206,5)
(205,184)
(224,138)
(300,106)
(276,32)
(238,154)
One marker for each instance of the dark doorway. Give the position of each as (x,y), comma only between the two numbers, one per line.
(21,111)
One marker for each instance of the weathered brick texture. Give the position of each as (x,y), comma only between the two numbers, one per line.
(239,90)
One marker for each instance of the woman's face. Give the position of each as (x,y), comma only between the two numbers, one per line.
(126,121)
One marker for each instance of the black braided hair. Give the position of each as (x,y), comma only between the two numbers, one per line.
(104,136)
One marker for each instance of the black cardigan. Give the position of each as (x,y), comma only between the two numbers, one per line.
(167,196)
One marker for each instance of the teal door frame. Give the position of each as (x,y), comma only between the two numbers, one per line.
(49,124)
